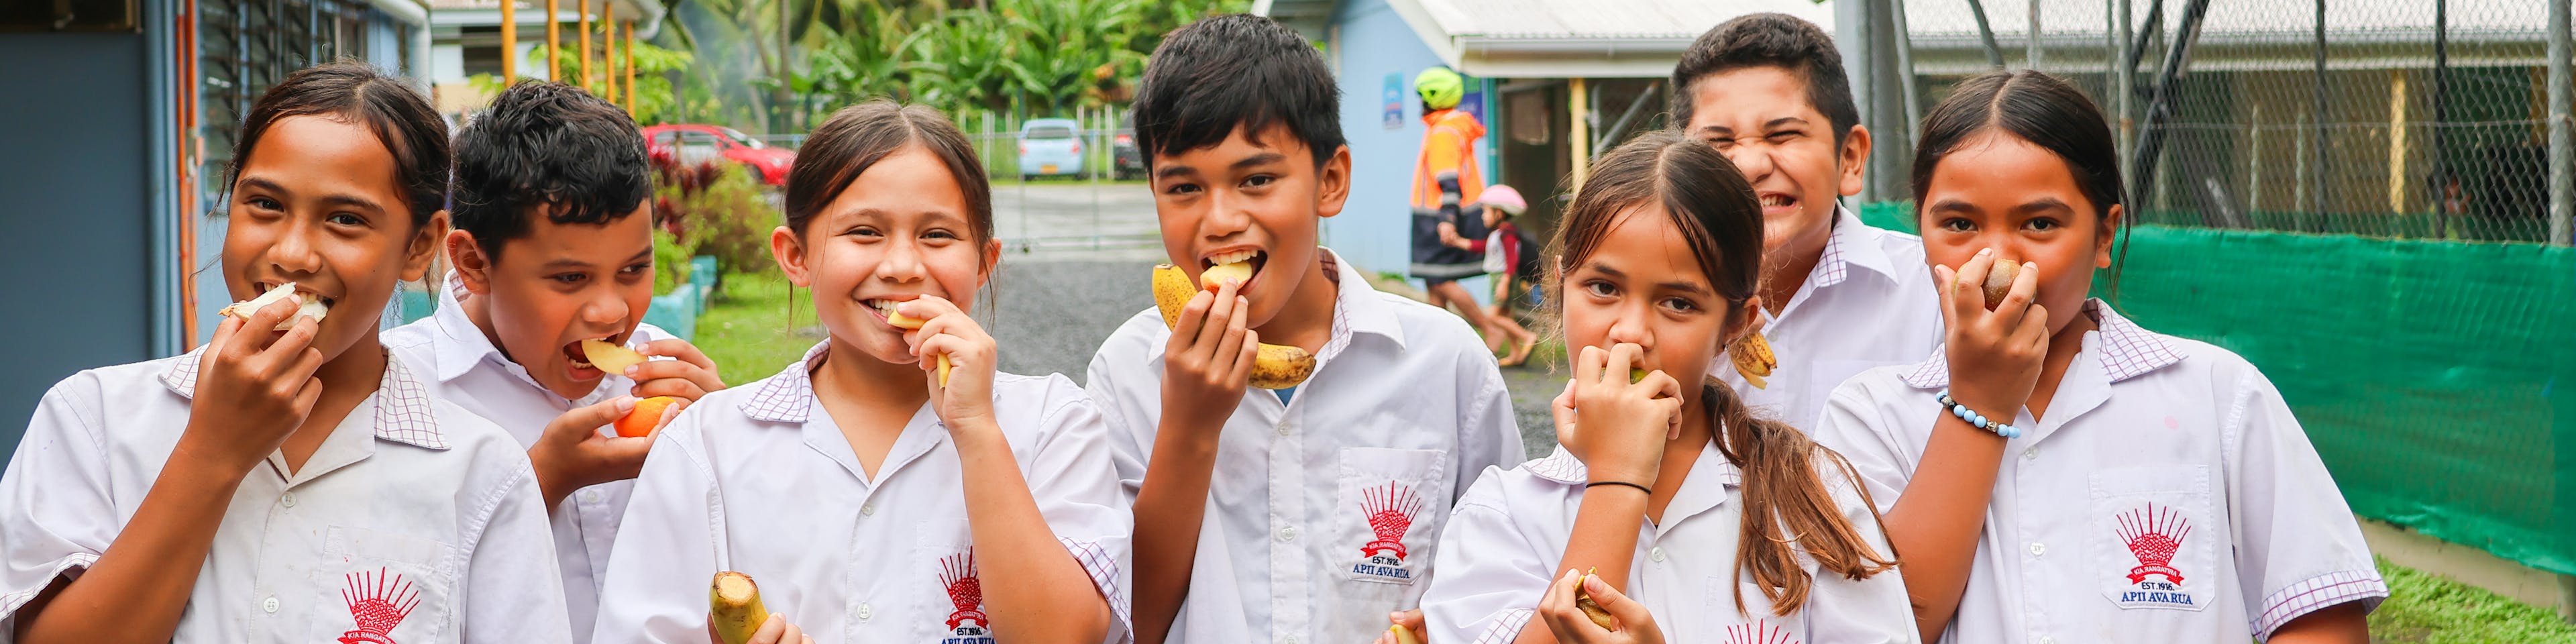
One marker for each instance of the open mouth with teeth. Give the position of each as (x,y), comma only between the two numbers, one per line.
(1237,266)
(884,308)
(1772,200)
(309,304)
(580,361)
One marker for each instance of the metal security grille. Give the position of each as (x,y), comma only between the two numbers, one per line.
(246,46)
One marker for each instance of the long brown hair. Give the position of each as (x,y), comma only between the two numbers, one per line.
(1785,502)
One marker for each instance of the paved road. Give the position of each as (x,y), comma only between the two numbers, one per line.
(1056,297)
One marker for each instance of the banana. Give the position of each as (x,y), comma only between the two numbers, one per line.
(733,607)
(1403,635)
(902,321)
(307,305)
(1592,609)
(1274,366)
(1753,359)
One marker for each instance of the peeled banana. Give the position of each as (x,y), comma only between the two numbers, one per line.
(1753,359)
(1592,609)
(733,607)
(1274,366)
(902,321)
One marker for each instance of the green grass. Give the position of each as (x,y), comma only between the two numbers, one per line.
(748,330)
(2426,609)
(751,332)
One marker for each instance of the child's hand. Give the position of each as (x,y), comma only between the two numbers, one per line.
(1409,620)
(688,378)
(967,398)
(775,631)
(1209,360)
(253,392)
(1994,355)
(1571,626)
(571,453)
(1616,427)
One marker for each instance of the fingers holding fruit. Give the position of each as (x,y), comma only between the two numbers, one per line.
(689,374)
(1273,366)
(253,391)
(571,453)
(1624,422)
(1996,333)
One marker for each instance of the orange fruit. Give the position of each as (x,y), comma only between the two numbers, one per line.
(646,416)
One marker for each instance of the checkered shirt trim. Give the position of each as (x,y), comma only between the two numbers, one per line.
(1561,466)
(403,410)
(1103,568)
(789,396)
(2127,350)
(1830,267)
(1508,627)
(2319,592)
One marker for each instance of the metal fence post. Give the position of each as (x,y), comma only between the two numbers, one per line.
(2562,170)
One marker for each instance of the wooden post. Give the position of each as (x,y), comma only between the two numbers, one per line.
(509,41)
(629,70)
(1579,140)
(583,7)
(2396,141)
(608,50)
(554,43)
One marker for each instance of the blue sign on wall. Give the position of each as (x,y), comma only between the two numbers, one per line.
(1394,101)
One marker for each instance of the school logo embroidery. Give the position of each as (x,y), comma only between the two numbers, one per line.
(1759,632)
(2153,535)
(1389,509)
(967,623)
(378,602)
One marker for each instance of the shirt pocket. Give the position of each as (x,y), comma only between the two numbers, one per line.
(397,589)
(2152,537)
(1754,624)
(951,603)
(1387,508)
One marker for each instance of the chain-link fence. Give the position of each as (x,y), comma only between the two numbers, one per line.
(2386,118)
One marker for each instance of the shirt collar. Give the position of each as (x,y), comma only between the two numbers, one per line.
(1360,305)
(403,410)
(1561,466)
(2124,349)
(1847,247)
(789,396)
(463,345)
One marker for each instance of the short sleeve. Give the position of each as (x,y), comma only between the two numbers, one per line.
(665,547)
(514,591)
(1853,427)
(56,510)
(2298,548)
(1491,575)
(1121,383)
(1077,490)
(1873,610)
(1489,436)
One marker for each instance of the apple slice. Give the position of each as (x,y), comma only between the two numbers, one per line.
(308,305)
(610,358)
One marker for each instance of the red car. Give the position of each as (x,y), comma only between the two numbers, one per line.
(696,144)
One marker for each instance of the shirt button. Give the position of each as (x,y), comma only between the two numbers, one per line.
(866,612)
(287,499)
(2047,640)
(1292,639)
(1656,554)
(1283,431)
(2032,453)
(2037,548)
(1288,533)
(590,496)
(867,509)
(269,604)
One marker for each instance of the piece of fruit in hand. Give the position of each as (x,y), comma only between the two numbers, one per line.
(308,305)
(1274,366)
(733,607)
(646,417)
(907,322)
(1999,282)
(1592,609)
(609,357)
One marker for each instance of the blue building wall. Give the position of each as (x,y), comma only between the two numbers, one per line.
(76,197)
(1375,227)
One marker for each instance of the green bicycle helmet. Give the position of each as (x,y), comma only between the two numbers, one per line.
(1439,87)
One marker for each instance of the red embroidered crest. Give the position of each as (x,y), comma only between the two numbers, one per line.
(378,602)
(965,591)
(1390,509)
(2154,537)
(1759,632)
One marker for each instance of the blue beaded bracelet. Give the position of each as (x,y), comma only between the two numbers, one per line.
(1975,419)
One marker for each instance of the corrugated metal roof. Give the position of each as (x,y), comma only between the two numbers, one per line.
(1603,19)
(2061,18)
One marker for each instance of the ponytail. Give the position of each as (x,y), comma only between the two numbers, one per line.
(1782,492)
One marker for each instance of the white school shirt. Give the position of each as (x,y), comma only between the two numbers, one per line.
(466,369)
(1323,513)
(414,522)
(1508,535)
(757,479)
(1868,303)
(2169,496)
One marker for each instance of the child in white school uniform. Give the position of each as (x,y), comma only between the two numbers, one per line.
(2058,473)
(890,486)
(1308,514)
(553,246)
(296,485)
(1701,520)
